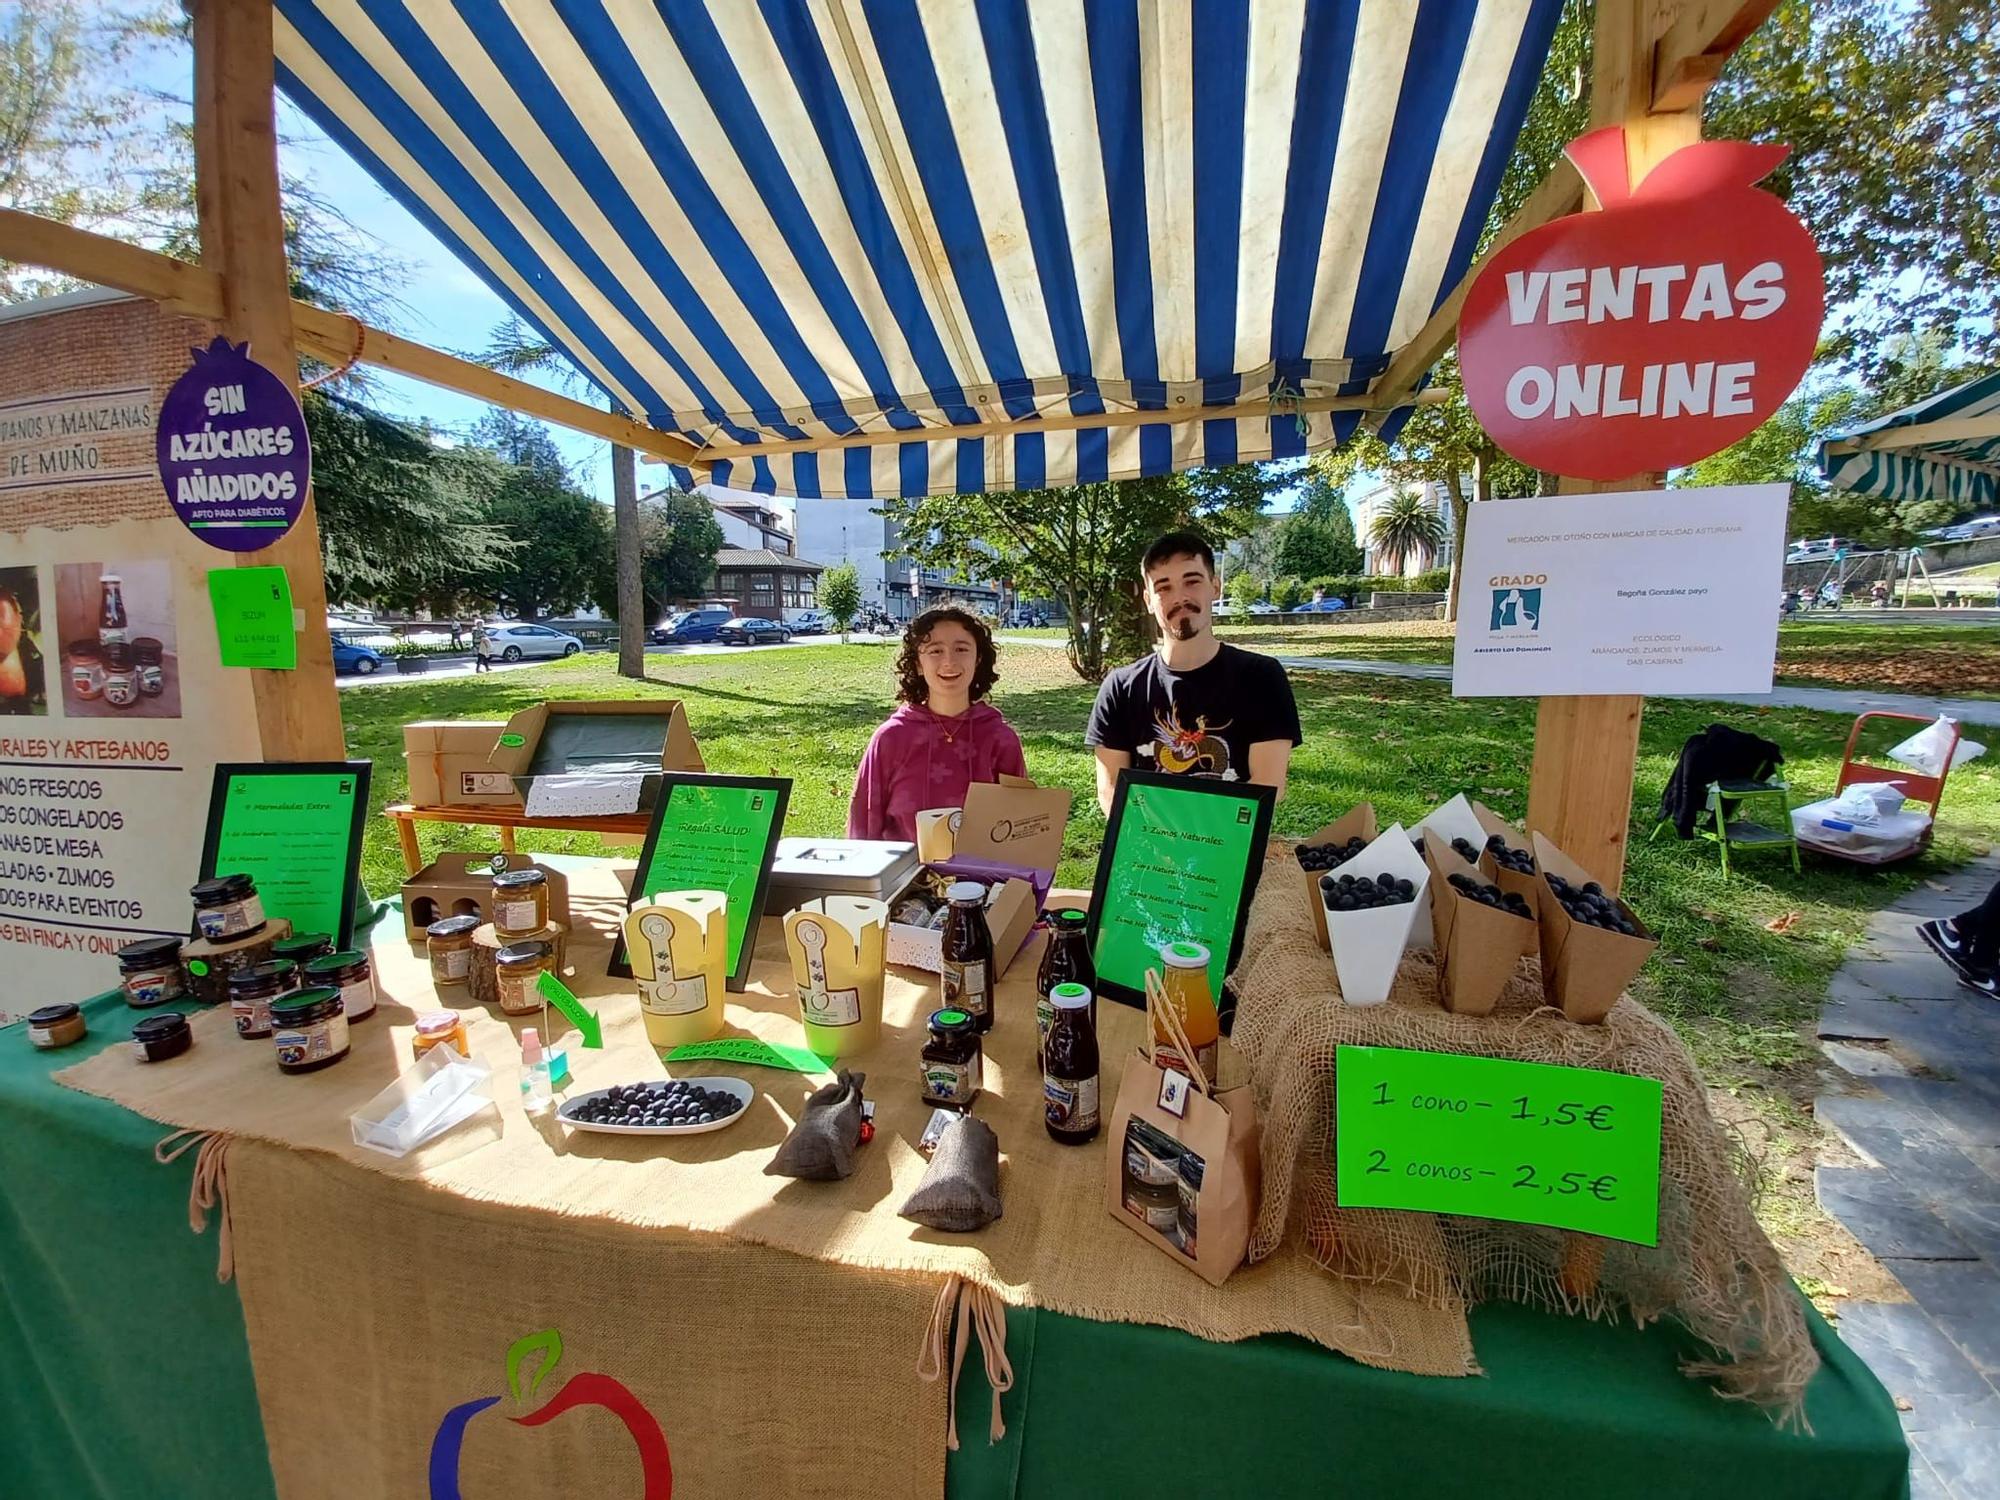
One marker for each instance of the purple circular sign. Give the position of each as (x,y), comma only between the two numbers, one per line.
(232,450)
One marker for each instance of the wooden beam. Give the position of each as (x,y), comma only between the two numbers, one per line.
(196,291)
(1695,42)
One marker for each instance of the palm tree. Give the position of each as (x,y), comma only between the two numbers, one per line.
(1406,527)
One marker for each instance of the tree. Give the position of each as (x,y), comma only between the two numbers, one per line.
(840,595)
(1288,592)
(1406,528)
(1307,546)
(678,537)
(521,441)
(1244,590)
(1082,545)
(565,545)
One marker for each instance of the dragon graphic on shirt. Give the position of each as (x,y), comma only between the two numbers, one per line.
(1190,752)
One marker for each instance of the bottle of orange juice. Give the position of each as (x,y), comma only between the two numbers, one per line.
(1186,982)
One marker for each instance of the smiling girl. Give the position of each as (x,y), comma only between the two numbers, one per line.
(942,738)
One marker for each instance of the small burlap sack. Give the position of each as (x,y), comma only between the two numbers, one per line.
(1713,1268)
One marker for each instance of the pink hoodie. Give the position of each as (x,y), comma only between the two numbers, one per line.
(917,760)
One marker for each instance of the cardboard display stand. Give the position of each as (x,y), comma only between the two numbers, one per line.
(1585,968)
(1477,945)
(460,885)
(595,757)
(1357,822)
(1367,946)
(447,761)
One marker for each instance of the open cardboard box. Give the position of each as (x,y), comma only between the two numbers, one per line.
(1528,887)
(1477,945)
(461,884)
(1368,946)
(1584,968)
(1010,837)
(447,764)
(603,749)
(1357,822)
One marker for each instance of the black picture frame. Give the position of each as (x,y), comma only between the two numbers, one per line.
(227,772)
(1261,802)
(777,786)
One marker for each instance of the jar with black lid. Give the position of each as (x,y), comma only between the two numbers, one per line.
(148,666)
(520,903)
(309,1029)
(149,972)
(162,1035)
(121,682)
(254,990)
(226,907)
(303,947)
(56,1026)
(449,942)
(517,976)
(349,972)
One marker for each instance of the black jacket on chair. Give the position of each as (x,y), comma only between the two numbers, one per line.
(1718,753)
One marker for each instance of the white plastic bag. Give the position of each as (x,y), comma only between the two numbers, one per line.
(1925,750)
(1877,797)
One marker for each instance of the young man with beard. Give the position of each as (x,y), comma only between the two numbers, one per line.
(1194,706)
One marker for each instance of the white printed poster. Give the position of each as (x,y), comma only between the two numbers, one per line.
(1652,592)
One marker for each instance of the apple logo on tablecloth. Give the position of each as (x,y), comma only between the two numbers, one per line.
(583,1389)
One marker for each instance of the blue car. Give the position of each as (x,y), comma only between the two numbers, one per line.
(350,657)
(691,626)
(1324,606)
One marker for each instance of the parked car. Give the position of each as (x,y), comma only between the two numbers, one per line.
(350,655)
(511,641)
(750,630)
(807,621)
(1324,606)
(1978,526)
(692,626)
(1265,607)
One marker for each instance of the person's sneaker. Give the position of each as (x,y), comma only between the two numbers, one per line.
(1944,941)
(1988,984)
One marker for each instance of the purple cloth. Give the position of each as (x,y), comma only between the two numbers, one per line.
(918,760)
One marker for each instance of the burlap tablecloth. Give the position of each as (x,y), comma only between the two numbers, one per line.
(516,1199)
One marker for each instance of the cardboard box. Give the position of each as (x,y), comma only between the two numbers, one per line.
(461,884)
(1357,822)
(1528,887)
(1367,946)
(1584,968)
(1011,908)
(1477,945)
(447,762)
(1013,825)
(606,748)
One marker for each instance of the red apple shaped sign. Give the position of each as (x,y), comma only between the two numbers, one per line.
(583,1389)
(1650,333)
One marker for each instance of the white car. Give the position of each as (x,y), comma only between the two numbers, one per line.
(1265,607)
(511,641)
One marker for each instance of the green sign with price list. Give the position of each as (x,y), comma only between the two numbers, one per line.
(1488,1137)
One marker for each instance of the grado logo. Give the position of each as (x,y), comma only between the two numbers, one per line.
(1517,604)
(582,1389)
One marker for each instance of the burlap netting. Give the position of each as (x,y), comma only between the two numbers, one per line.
(1713,1268)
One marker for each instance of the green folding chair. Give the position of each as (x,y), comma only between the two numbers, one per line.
(1729,832)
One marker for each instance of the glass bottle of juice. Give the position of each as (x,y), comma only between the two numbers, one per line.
(968,954)
(1185,979)
(111,618)
(1066,960)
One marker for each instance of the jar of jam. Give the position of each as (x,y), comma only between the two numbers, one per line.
(449,943)
(121,682)
(1069,1068)
(252,992)
(954,1061)
(1066,960)
(162,1035)
(303,947)
(56,1026)
(968,953)
(309,1029)
(520,902)
(84,661)
(440,1028)
(517,971)
(349,972)
(149,971)
(149,665)
(226,907)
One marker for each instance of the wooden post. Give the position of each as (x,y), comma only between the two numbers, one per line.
(1580,789)
(243,239)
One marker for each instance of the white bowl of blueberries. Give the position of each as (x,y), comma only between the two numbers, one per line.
(661,1106)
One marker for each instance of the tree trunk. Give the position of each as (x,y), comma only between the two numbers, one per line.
(1482,485)
(631,593)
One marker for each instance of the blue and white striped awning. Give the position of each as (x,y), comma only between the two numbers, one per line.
(1946,448)
(760,222)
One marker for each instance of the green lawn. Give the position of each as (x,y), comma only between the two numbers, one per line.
(1744,998)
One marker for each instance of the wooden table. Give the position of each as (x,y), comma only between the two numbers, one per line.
(631,826)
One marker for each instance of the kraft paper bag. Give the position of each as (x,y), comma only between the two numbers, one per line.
(1528,887)
(1477,945)
(1584,968)
(1357,822)
(1185,1183)
(1368,946)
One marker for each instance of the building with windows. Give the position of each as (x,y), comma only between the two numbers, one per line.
(750,521)
(763,582)
(831,532)
(1437,499)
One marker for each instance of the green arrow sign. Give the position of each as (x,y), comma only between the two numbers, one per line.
(751,1052)
(557,994)
(1496,1139)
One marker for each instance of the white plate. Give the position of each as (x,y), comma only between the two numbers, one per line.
(736,1086)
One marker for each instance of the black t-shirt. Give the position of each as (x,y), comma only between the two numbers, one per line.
(1199,723)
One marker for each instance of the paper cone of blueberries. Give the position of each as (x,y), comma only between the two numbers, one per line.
(1449,823)
(1369,903)
(1478,930)
(1509,862)
(1319,853)
(1592,944)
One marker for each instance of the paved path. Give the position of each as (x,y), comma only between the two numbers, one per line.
(1916,1093)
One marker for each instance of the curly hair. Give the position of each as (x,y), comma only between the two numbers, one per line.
(910,684)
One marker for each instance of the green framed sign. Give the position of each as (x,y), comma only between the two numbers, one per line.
(713,833)
(1180,862)
(294,827)
(1531,1143)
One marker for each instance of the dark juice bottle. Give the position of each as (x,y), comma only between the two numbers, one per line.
(968,954)
(1069,1068)
(1066,960)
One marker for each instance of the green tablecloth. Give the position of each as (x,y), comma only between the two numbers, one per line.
(127,1374)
